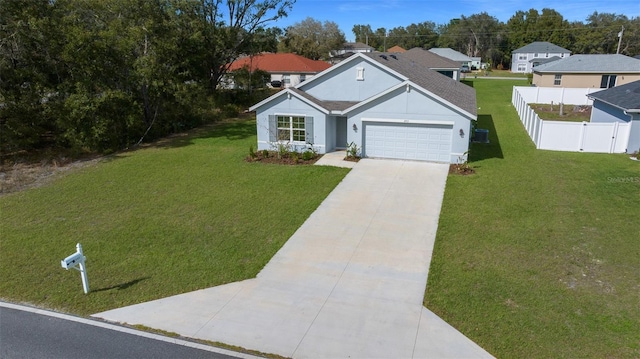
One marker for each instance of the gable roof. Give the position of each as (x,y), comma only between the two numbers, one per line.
(599,63)
(430,59)
(280,63)
(450,54)
(625,97)
(440,86)
(541,47)
(450,90)
(396,49)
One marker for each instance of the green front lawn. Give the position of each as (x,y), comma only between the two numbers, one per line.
(187,214)
(538,254)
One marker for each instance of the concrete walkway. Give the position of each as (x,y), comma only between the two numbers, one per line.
(348,284)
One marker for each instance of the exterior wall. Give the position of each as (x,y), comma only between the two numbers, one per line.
(515,59)
(294,79)
(602,113)
(342,84)
(413,106)
(291,106)
(580,80)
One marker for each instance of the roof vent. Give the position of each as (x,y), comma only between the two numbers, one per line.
(394,56)
(384,56)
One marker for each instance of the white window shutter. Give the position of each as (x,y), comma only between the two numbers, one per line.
(308,128)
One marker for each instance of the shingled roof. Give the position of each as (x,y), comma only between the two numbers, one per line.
(440,85)
(430,59)
(597,63)
(540,47)
(625,97)
(280,63)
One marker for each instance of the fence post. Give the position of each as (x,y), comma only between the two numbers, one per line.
(614,137)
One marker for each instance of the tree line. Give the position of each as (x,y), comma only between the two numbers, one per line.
(478,35)
(103,75)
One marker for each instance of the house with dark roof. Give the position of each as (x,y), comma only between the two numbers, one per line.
(454,55)
(526,58)
(387,105)
(433,61)
(288,69)
(588,71)
(619,104)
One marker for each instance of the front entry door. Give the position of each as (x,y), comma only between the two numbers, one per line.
(341,132)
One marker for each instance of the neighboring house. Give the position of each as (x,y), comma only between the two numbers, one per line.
(385,104)
(584,71)
(526,58)
(619,104)
(289,69)
(396,49)
(476,63)
(347,51)
(452,54)
(434,62)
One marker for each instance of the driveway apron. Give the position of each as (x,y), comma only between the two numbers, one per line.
(348,284)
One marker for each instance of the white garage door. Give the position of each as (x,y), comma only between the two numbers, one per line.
(408,141)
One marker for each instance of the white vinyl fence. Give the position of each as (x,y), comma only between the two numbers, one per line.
(567,136)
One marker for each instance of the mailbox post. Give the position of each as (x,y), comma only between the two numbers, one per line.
(76,261)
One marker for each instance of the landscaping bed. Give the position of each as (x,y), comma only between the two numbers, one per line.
(573,113)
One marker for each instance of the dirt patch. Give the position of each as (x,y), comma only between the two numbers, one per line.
(573,113)
(19,175)
(462,169)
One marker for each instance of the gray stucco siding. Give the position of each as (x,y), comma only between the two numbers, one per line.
(602,112)
(342,84)
(293,107)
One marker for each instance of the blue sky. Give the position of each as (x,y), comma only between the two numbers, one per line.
(394,13)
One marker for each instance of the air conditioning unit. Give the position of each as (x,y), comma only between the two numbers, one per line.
(481,135)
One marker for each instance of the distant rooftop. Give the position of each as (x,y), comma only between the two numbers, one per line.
(450,54)
(280,63)
(541,47)
(598,63)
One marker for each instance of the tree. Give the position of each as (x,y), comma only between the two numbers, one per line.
(478,35)
(313,39)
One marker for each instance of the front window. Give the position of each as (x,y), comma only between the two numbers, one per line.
(557,80)
(522,67)
(522,57)
(303,78)
(291,128)
(286,79)
(608,81)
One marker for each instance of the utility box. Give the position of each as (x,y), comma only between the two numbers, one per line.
(481,135)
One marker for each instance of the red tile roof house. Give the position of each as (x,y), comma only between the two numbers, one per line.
(289,69)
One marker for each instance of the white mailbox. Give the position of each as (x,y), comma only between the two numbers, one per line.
(76,261)
(72,260)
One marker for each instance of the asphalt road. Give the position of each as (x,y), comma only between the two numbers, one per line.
(25,334)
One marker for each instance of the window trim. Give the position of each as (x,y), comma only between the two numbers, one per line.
(608,83)
(557,80)
(291,129)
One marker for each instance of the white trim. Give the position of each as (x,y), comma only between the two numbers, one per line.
(289,94)
(411,122)
(291,129)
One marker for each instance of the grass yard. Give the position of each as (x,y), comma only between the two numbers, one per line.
(538,254)
(570,113)
(186,214)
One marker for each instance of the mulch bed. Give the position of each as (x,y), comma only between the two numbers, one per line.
(461,169)
(286,159)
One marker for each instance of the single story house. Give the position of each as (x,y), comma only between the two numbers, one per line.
(385,104)
(434,62)
(619,104)
(524,59)
(452,54)
(289,69)
(588,71)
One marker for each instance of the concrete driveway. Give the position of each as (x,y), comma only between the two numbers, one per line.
(348,284)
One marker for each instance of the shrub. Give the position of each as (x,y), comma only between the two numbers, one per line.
(265,153)
(308,155)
